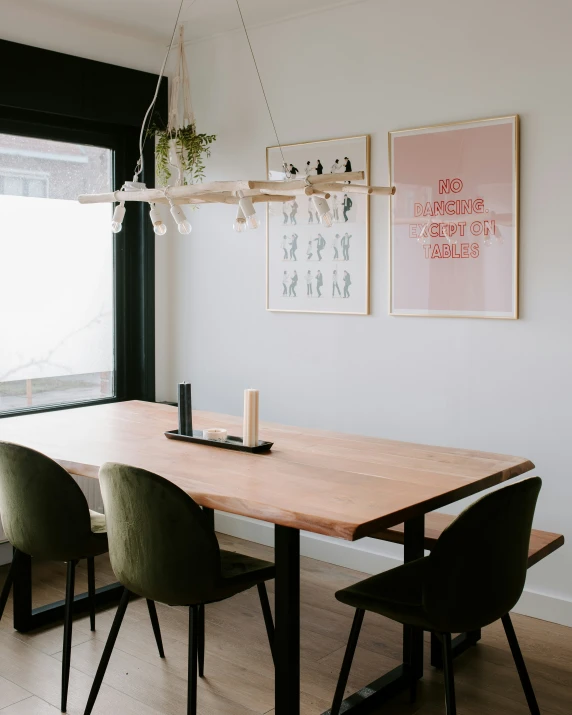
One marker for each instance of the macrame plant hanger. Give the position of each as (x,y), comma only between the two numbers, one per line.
(180,117)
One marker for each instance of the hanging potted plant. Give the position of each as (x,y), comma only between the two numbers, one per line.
(180,150)
(183,150)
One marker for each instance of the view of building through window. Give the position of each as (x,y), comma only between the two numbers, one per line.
(56,274)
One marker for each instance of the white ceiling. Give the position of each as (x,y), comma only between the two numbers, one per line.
(154,19)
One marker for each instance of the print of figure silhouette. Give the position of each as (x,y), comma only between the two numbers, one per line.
(343,243)
(289,245)
(289,283)
(347,281)
(320,242)
(317,168)
(319,279)
(289,211)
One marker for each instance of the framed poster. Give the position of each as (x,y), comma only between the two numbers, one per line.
(454,220)
(311,268)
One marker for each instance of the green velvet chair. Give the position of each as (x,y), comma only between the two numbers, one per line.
(45,515)
(163,547)
(474,576)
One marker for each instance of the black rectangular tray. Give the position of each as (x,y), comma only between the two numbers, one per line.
(230,443)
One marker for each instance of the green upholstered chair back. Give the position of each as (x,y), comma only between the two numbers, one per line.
(43,510)
(478,566)
(160,543)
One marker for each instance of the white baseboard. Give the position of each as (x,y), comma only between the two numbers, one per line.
(372,557)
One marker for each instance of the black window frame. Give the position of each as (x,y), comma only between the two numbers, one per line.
(60,97)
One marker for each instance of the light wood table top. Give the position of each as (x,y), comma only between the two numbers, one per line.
(335,484)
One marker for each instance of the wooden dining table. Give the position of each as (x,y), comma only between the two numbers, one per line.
(339,485)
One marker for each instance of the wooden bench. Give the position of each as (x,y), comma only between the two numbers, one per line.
(542,544)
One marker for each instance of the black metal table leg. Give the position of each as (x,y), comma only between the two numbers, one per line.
(27,618)
(287,634)
(401,678)
(413,637)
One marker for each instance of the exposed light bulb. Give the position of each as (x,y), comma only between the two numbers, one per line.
(247,208)
(118,216)
(240,221)
(158,225)
(184,227)
(323,210)
(253,222)
(179,215)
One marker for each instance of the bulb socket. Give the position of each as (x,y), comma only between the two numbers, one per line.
(119,214)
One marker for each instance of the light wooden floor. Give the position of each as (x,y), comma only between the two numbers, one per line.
(239,673)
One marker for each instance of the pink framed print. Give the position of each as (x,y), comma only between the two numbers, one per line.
(454,220)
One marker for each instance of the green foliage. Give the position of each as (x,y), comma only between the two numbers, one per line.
(192,148)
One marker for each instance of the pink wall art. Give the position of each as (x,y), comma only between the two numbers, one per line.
(454,220)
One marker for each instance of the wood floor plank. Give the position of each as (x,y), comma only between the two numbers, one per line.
(40,674)
(11,693)
(155,685)
(31,706)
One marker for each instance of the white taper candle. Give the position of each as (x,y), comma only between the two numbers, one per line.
(250,423)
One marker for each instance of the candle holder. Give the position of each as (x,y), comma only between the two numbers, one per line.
(231,442)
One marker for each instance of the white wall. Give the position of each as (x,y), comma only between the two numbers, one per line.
(483,384)
(32,22)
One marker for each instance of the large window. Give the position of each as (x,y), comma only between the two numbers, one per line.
(56,274)
(77,310)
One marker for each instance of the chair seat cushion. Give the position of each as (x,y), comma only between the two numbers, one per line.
(98,525)
(98,542)
(396,593)
(240,572)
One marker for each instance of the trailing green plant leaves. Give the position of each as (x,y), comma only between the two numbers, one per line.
(192,148)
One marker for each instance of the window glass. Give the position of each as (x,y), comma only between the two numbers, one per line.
(56,274)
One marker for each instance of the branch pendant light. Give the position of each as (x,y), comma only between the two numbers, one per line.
(179,161)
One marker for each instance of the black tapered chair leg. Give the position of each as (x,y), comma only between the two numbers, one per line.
(193,655)
(201,641)
(156,627)
(91,591)
(267,613)
(451,705)
(6,588)
(520,665)
(413,681)
(68,624)
(347,663)
(436,652)
(107,651)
